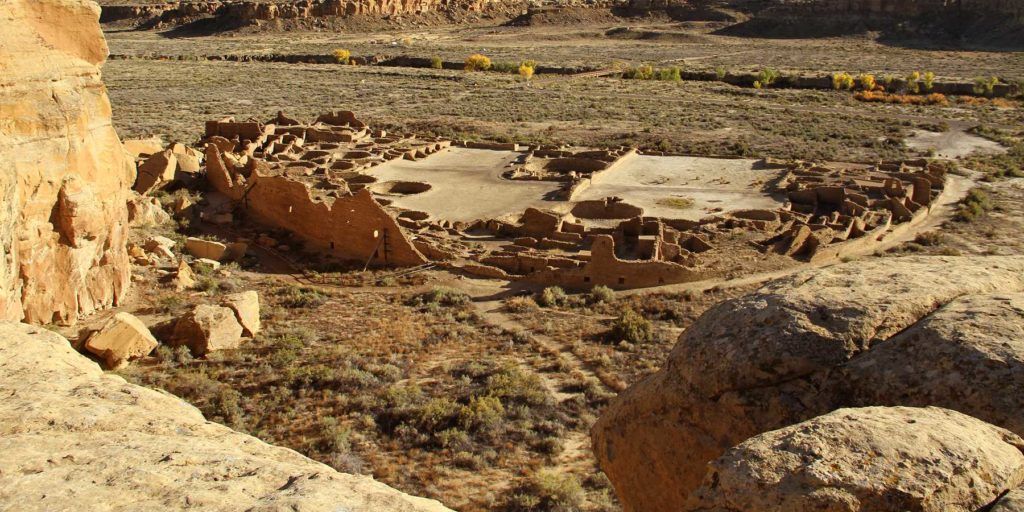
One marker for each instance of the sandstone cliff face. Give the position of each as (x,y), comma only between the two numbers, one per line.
(64,186)
(248,11)
(908,331)
(74,438)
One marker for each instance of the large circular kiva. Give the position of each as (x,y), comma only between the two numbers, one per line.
(400,188)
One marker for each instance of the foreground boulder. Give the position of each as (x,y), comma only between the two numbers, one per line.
(74,438)
(66,178)
(123,337)
(207,328)
(783,355)
(875,459)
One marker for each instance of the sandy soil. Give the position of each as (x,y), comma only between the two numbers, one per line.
(953,143)
(710,183)
(466,185)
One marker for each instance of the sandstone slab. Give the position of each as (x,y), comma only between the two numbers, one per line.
(874,459)
(123,337)
(205,248)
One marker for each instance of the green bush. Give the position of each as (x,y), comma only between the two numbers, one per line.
(768,76)
(720,73)
(669,74)
(436,63)
(928,80)
(985,86)
(505,67)
(632,328)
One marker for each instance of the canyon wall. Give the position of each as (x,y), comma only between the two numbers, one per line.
(249,11)
(65,182)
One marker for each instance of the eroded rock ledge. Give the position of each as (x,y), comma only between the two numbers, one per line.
(72,437)
(920,331)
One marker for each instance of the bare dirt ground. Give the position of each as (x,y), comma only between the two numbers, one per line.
(704,185)
(466,185)
(173,98)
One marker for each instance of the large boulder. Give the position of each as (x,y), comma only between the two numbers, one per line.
(208,249)
(155,171)
(207,328)
(875,459)
(246,306)
(123,337)
(804,346)
(75,438)
(66,178)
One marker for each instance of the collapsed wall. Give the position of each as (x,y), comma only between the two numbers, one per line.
(64,189)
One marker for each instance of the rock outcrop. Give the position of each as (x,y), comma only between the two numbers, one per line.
(74,438)
(937,331)
(63,191)
(871,459)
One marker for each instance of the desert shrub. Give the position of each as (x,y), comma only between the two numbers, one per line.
(631,328)
(930,238)
(436,63)
(913,82)
(644,72)
(758,85)
(842,81)
(985,86)
(720,73)
(889,82)
(342,56)
(768,76)
(1000,165)
(974,205)
(548,491)
(901,99)
(552,296)
(440,296)
(482,413)
(867,82)
(928,81)
(526,71)
(602,294)
(478,62)
(301,297)
(520,304)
